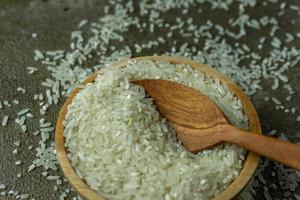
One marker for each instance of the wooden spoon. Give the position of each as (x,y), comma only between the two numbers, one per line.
(200,124)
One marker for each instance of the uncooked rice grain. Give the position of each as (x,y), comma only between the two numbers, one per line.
(82,23)
(17,143)
(31,167)
(20,89)
(5,120)
(24,196)
(18,162)
(24,128)
(47,129)
(52,178)
(23,112)
(2,186)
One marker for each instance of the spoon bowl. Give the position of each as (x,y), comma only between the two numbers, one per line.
(232,190)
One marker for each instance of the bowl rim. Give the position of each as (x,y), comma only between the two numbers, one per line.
(250,163)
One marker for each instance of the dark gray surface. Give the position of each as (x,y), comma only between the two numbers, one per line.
(53,21)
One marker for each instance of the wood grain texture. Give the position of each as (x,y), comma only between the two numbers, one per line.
(272,148)
(183,105)
(232,190)
(200,123)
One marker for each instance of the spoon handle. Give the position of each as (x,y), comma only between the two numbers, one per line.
(278,150)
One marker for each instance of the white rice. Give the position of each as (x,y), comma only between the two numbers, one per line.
(2,186)
(17,143)
(44,125)
(15,151)
(52,178)
(23,111)
(24,128)
(5,120)
(47,129)
(82,23)
(34,35)
(5,102)
(15,101)
(20,89)
(31,167)
(31,70)
(120,146)
(24,196)
(18,162)
(38,54)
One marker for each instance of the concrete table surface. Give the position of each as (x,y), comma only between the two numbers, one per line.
(53,21)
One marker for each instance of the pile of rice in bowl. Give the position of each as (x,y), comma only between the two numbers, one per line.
(122,148)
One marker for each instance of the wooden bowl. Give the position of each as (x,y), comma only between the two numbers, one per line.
(232,190)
